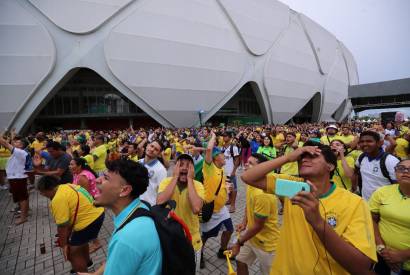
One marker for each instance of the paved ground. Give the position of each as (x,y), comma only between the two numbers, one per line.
(20,245)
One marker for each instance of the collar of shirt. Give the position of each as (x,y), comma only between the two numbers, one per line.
(378,157)
(121,217)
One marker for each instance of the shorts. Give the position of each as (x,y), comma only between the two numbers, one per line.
(87,234)
(225,224)
(249,253)
(18,188)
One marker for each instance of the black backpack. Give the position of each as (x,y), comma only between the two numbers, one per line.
(383,168)
(178,256)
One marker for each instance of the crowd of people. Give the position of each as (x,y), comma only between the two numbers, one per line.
(354,218)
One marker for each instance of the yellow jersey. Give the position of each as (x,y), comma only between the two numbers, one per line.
(290,168)
(133,158)
(262,205)
(326,139)
(299,249)
(346,139)
(183,208)
(401,148)
(90,160)
(212,177)
(64,203)
(101,153)
(394,224)
(339,176)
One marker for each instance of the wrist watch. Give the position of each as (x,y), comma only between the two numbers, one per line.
(379,248)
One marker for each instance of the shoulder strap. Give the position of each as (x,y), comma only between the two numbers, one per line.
(76,208)
(383,167)
(328,140)
(220,184)
(231,150)
(138,212)
(361,157)
(338,174)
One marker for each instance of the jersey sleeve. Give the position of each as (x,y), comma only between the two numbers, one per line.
(360,233)
(350,162)
(375,201)
(391,163)
(262,206)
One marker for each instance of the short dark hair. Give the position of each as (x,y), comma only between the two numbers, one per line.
(55,145)
(326,152)
(159,143)
(85,148)
(372,134)
(100,137)
(259,157)
(47,183)
(185,156)
(134,173)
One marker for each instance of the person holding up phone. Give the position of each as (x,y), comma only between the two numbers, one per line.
(325,231)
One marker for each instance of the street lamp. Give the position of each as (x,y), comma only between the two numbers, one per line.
(200,112)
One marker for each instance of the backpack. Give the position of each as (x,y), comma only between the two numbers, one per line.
(28,165)
(383,168)
(178,256)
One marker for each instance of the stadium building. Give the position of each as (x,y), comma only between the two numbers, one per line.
(177,63)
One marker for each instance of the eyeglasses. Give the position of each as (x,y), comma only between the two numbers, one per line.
(402,169)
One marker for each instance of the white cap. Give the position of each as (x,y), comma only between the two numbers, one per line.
(332,126)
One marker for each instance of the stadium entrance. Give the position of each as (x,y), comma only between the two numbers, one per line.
(242,109)
(87,101)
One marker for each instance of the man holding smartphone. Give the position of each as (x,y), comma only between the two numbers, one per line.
(325,231)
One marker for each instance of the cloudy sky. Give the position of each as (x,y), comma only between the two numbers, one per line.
(377,32)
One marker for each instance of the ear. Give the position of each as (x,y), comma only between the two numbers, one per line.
(330,167)
(126,191)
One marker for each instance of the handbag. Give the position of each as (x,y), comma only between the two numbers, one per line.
(208,208)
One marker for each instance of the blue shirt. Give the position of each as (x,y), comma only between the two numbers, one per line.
(136,248)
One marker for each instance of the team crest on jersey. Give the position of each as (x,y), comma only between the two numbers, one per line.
(151,173)
(331,220)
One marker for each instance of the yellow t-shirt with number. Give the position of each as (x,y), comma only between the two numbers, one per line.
(183,208)
(64,203)
(263,205)
(298,247)
(212,178)
(101,153)
(394,224)
(339,176)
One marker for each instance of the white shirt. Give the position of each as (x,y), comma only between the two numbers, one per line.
(372,176)
(156,173)
(229,160)
(16,164)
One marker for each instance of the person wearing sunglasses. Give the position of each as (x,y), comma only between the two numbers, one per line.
(390,207)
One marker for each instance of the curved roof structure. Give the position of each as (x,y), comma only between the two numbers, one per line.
(171,58)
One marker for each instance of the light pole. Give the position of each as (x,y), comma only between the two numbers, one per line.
(200,112)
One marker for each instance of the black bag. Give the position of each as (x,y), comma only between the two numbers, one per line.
(178,256)
(208,208)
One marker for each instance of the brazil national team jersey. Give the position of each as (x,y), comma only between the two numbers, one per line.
(300,251)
